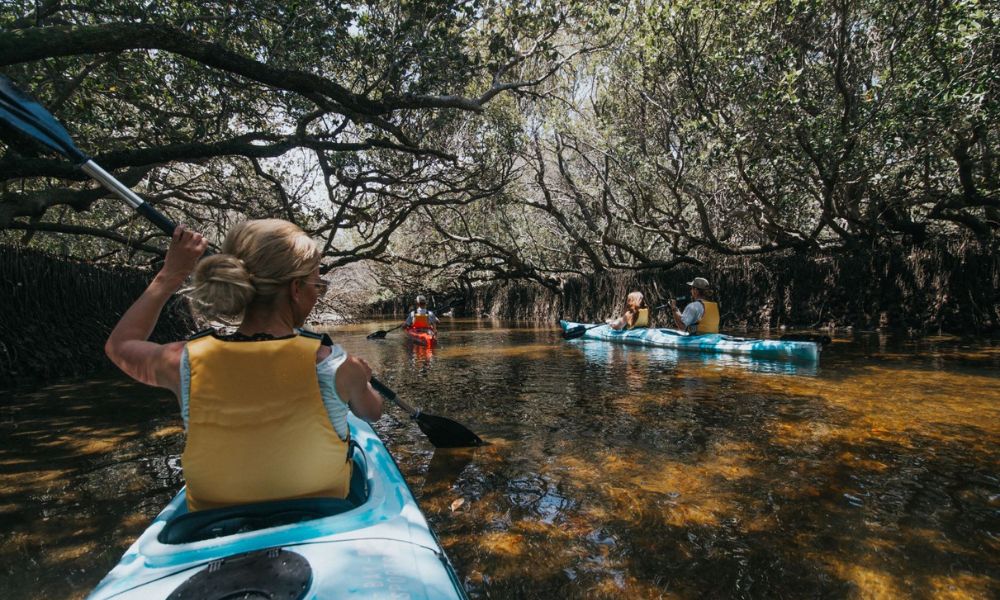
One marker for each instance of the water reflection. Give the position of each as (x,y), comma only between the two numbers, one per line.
(421,357)
(613,471)
(670,358)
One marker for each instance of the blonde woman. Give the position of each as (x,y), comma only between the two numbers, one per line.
(636,313)
(265,408)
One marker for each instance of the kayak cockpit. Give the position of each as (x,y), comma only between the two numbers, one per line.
(374,544)
(187,527)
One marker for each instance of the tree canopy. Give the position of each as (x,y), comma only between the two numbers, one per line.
(466,141)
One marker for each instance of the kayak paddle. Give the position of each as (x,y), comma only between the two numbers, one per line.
(26,115)
(441,431)
(380,334)
(579,330)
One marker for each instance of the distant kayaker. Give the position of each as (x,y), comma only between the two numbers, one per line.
(265,408)
(421,318)
(700,315)
(636,313)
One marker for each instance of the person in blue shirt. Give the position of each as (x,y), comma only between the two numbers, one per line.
(701,315)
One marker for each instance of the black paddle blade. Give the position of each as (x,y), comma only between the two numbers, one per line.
(378,335)
(574,332)
(445,433)
(24,114)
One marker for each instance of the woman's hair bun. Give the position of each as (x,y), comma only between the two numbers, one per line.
(221,286)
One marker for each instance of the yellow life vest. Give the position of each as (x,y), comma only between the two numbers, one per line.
(421,322)
(642,320)
(709,322)
(257,427)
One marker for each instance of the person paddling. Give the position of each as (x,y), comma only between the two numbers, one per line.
(264,408)
(700,315)
(421,318)
(636,313)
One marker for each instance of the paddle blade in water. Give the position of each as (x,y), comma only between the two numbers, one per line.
(574,332)
(445,433)
(378,335)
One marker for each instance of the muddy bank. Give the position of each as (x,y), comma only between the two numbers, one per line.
(57,313)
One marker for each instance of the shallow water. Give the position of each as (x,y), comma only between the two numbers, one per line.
(613,472)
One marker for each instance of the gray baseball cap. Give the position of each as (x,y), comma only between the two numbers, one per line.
(699,283)
(421,299)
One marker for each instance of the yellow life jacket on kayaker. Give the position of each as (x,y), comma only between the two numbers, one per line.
(709,322)
(257,427)
(642,320)
(421,321)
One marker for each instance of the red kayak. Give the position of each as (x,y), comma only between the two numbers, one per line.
(421,336)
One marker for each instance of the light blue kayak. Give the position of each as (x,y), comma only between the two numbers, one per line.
(709,342)
(376,544)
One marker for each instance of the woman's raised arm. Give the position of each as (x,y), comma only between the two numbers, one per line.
(128,346)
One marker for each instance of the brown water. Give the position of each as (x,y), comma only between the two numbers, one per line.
(613,472)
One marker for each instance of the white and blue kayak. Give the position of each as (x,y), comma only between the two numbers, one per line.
(718,343)
(375,544)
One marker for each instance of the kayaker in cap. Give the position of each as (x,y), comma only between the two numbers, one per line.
(265,408)
(421,318)
(700,315)
(636,313)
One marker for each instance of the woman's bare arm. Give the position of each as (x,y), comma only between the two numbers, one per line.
(352,385)
(128,346)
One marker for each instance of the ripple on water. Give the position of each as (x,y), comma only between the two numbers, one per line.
(613,471)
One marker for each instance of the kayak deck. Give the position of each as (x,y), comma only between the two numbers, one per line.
(381,548)
(709,342)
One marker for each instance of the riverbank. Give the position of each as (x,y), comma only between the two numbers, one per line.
(57,313)
(948,286)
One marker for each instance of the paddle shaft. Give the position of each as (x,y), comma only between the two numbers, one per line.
(25,114)
(391,395)
(131,198)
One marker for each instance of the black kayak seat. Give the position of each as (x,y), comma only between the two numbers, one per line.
(230,520)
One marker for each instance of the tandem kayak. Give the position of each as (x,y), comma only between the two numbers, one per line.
(423,337)
(375,544)
(710,342)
